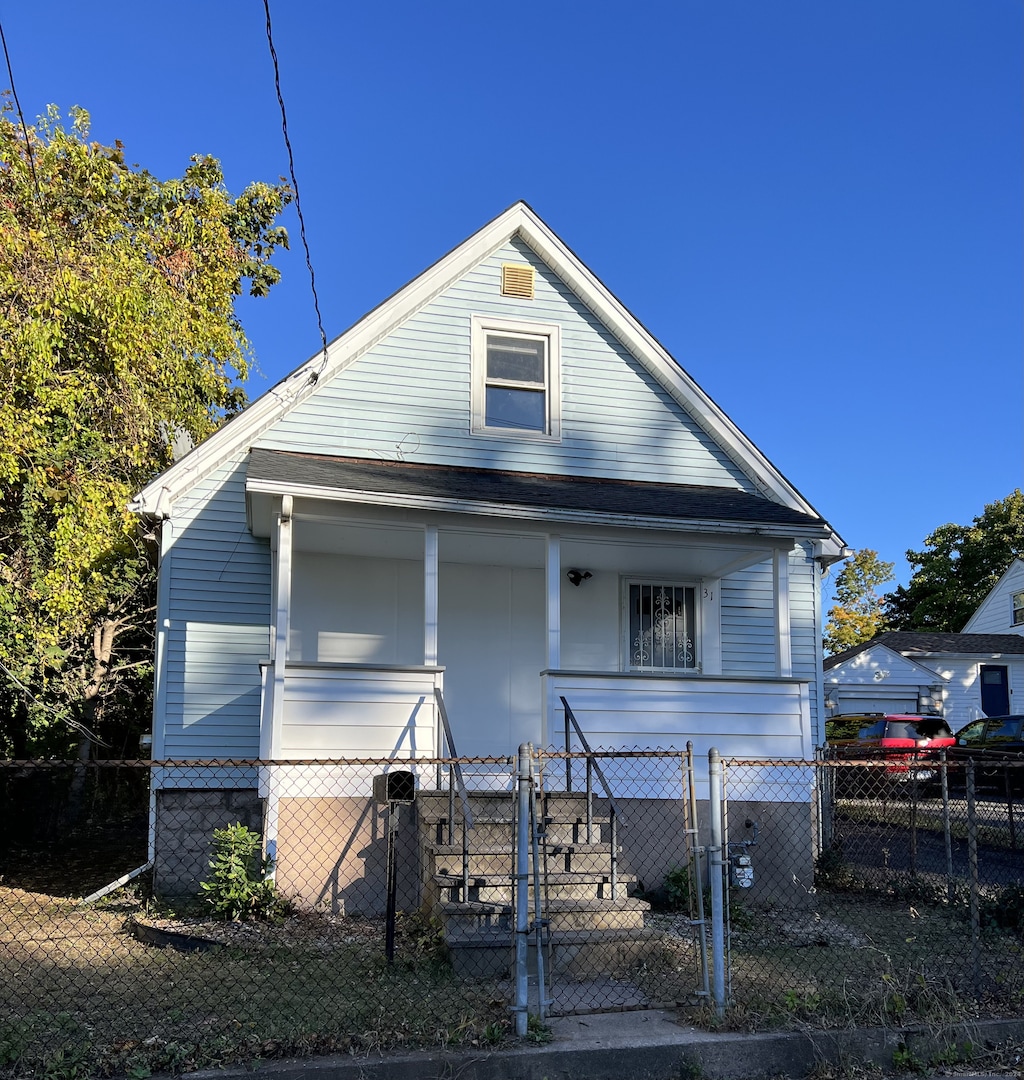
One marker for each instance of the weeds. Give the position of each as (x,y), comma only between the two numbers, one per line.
(536,1032)
(239,886)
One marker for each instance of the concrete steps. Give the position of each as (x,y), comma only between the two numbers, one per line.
(581,885)
(586,931)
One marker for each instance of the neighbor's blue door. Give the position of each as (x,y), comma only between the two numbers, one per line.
(995,692)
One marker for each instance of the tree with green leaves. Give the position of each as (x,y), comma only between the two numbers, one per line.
(857,614)
(957,568)
(118,334)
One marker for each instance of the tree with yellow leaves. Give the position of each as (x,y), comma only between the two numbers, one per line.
(857,615)
(118,335)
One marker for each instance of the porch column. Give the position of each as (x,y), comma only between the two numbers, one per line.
(554,607)
(430,595)
(783,639)
(270,742)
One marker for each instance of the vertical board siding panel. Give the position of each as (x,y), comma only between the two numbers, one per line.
(219,622)
(617,421)
(748,621)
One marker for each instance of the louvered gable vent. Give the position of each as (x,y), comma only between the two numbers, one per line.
(517,281)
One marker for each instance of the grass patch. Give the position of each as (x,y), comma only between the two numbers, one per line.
(872,962)
(81,997)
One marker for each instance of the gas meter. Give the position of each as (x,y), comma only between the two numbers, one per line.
(741,871)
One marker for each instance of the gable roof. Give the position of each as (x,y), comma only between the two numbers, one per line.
(930,644)
(995,594)
(862,663)
(287,472)
(521,222)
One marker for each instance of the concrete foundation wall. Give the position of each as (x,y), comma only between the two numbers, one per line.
(652,838)
(185,821)
(332,855)
(332,852)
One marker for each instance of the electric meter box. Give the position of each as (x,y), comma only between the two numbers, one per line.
(398,786)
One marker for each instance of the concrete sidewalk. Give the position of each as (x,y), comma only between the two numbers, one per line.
(650,1045)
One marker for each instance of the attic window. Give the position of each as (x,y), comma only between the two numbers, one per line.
(515,379)
(1018,609)
(517,281)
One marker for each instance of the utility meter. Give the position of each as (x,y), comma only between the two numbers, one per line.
(741,871)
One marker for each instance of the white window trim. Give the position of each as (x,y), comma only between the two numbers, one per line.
(482,326)
(624,610)
(1015,608)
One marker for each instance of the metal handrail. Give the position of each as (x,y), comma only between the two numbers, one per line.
(454,767)
(570,718)
(613,813)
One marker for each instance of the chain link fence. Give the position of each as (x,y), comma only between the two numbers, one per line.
(177,915)
(909,907)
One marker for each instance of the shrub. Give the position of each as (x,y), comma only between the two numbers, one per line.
(1005,910)
(677,889)
(239,886)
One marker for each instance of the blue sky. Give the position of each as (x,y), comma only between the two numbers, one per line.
(816,207)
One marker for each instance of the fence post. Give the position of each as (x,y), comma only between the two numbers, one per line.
(972,863)
(523,888)
(947,827)
(1009,805)
(716,864)
(913,828)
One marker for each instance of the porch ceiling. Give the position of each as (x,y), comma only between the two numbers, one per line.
(389,533)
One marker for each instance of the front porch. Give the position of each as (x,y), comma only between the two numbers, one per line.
(657,634)
(334,710)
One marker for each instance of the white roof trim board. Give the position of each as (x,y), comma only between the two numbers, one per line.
(518,221)
(993,596)
(873,658)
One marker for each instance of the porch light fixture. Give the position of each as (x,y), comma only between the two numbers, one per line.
(577,577)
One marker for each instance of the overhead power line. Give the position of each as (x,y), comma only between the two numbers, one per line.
(313,375)
(32,164)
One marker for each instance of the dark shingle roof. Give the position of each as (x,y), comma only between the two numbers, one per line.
(910,643)
(590,494)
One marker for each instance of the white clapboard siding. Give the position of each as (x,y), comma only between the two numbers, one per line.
(995,613)
(199,777)
(357,712)
(962,689)
(739,717)
(616,420)
(218,611)
(748,621)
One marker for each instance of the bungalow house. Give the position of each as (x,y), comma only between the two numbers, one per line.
(496,491)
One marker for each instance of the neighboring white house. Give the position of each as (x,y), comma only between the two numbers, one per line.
(1002,611)
(961,676)
(499,485)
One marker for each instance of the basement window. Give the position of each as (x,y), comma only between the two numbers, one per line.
(515,379)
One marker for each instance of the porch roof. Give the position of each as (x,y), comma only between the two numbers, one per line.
(596,495)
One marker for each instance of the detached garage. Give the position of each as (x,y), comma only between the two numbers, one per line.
(959,676)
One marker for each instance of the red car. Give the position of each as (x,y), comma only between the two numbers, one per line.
(908,743)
